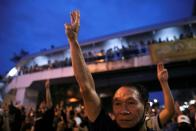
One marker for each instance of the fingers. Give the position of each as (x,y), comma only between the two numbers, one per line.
(77,13)
(73,27)
(164,71)
(47,83)
(163,75)
(160,67)
(75,17)
(67,28)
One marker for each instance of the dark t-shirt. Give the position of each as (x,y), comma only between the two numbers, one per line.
(105,123)
(45,123)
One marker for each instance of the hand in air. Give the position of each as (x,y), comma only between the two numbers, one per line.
(73,28)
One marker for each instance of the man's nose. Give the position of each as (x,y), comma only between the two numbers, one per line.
(125,110)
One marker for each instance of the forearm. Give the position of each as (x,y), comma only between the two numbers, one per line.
(169,109)
(168,98)
(48,98)
(82,74)
(85,80)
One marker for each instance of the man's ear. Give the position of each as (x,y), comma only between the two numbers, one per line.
(112,116)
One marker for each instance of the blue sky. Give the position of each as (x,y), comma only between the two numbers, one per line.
(33,25)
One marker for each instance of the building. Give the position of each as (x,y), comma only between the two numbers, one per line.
(124,57)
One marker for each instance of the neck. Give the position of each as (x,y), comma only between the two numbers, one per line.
(138,127)
(141,128)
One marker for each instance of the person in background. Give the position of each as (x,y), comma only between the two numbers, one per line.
(44,121)
(192,114)
(184,123)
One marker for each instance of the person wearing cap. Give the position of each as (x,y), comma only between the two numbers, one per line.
(45,116)
(184,123)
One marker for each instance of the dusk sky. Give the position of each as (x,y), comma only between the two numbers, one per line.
(33,25)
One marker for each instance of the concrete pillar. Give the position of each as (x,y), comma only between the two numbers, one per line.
(20,95)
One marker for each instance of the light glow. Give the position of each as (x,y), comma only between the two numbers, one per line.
(13,72)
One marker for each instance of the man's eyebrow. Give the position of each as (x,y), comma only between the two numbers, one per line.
(118,99)
(115,99)
(130,98)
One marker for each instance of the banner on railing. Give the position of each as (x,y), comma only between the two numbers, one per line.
(173,51)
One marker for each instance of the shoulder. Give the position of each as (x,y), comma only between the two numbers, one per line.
(102,117)
(153,123)
(103,122)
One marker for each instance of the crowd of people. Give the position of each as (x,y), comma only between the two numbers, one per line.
(133,49)
(46,117)
(112,54)
(65,117)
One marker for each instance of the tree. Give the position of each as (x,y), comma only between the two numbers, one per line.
(17,57)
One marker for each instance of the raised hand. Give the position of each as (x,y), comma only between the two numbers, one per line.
(167,113)
(162,73)
(73,28)
(47,83)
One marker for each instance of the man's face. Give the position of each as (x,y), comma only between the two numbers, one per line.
(42,106)
(128,109)
(61,103)
(192,110)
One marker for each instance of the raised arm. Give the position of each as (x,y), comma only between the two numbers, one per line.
(83,76)
(48,94)
(168,111)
